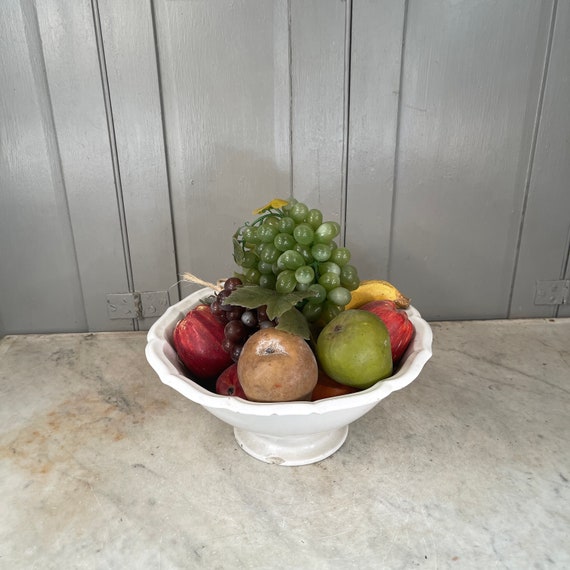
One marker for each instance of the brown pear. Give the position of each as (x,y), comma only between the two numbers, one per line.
(277,366)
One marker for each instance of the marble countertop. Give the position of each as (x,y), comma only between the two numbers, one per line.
(102,466)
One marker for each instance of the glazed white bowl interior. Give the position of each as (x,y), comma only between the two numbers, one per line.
(284,419)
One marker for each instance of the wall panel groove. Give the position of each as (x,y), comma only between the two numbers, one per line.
(113,146)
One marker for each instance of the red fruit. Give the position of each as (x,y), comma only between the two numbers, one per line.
(228,383)
(197,339)
(399,326)
(328,388)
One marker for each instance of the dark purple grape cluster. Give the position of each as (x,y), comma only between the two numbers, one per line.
(240,323)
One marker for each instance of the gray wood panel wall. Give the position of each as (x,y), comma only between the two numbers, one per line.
(135,136)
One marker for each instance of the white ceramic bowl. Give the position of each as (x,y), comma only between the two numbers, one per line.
(288,433)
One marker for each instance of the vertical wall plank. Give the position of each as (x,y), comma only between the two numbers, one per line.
(318,79)
(70,52)
(377,33)
(471,80)
(546,229)
(39,282)
(128,38)
(224,76)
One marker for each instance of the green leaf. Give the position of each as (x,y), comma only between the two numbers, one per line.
(238,252)
(253,296)
(293,321)
(283,303)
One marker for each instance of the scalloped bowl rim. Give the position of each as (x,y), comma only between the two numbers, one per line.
(163,359)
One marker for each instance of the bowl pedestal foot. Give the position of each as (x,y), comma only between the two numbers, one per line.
(291,450)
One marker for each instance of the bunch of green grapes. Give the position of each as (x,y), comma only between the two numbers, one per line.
(291,248)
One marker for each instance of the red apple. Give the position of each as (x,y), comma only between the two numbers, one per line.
(228,383)
(197,339)
(399,326)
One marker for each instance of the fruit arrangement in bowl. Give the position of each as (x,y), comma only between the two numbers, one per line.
(293,347)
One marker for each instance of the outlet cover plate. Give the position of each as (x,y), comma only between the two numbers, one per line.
(552,292)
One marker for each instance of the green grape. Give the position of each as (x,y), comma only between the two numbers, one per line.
(321,251)
(314,218)
(312,311)
(280,264)
(286,282)
(290,259)
(304,234)
(305,251)
(293,249)
(349,277)
(252,276)
(272,221)
(266,233)
(265,268)
(330,311)
(249,260)
(299,212)
(286,225)
(290,203)
(329,266)
(249,235)
(284,241)
(339,296)
(267,281)
(340,256)
(305,274)
(269,254)
(320,294)
(326,232)
(329,280)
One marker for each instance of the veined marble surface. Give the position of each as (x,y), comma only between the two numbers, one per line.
(102,466)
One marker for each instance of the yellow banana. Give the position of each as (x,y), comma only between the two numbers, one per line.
(377,290)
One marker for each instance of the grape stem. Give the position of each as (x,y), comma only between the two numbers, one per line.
(276,213)
(258,221)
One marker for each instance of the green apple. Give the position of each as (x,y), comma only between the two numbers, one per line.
(354,349)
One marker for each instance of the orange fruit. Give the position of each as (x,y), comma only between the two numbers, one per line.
(328,388)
